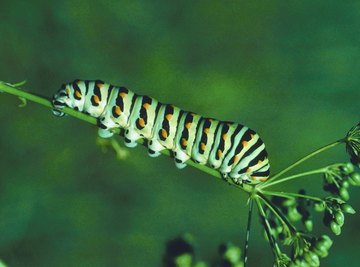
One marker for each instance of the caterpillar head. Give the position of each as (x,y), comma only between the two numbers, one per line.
(61,99)
(69,95)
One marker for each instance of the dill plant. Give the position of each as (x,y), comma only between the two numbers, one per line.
(287,217)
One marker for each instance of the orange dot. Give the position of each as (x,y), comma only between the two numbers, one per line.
(224,136)
(206,130)
(78,94)
(256,178)
(122,94)
(236,158)
(183,142)
(146,106)
(164,133)
(219,153)
(117,110)
(202,146)
(248,169)
(168,116)
(244,143)
(188,125)
(96,99)
(142,122)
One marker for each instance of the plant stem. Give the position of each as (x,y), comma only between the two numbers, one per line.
(292,177)
(290,195)
(11,89)
(247,238)
(274,247)
(279,214)
(322,149)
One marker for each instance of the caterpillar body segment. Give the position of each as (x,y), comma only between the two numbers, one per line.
(233,149)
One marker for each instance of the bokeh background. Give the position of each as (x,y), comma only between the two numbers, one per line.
(289,70)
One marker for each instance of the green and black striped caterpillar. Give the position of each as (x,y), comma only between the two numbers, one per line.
(233,149)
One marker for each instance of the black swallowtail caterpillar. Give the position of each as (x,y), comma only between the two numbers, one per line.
(233,149)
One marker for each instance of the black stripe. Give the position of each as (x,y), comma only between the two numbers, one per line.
(158,106)
(262,174)
(133,100)
(261,156)
(252,149)
(87,87)
(224,130)
(58,103)
(232,139)
(214,139)
(181,112)
(109,92)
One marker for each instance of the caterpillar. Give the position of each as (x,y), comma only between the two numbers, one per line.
(233,149)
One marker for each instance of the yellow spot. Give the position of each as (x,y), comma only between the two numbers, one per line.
(146,106)
(219,153)
(100,85)
(202,146)
(259,162)
(256,178)
(122,94)
(117,110)
(188,125)
(142,122)
(206,130)
(224,136)
(252,136)
(236,158)
(168,116)
(78,94)
(244,143)
(164,133)
(96,99)
(183,142)
(248,169)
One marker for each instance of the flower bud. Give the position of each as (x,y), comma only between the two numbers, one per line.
(347,208)
(312,258)
(339,218)
(308,225)
(326,241)
(355,179)
(344,194)
(319,206)
(335,228)
(321,250)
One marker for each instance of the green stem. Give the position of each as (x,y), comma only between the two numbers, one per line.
(290,195)
(322,149)
(279,214)
(274,247)
(247,238)
(11,89)
(292,177)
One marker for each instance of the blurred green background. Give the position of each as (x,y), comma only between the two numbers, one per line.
(289,70)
